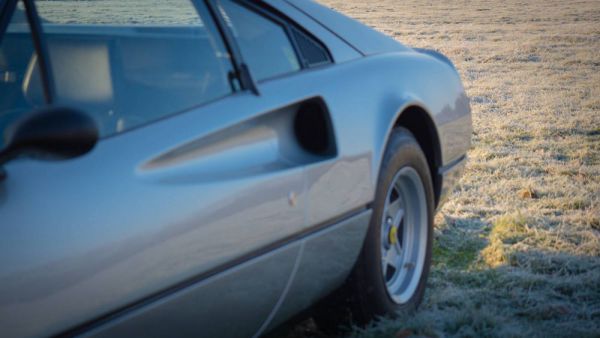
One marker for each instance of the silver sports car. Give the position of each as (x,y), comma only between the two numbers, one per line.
(211,168)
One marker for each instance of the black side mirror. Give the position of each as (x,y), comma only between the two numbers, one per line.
(50,134)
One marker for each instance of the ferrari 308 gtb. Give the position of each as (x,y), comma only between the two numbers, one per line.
(212,168)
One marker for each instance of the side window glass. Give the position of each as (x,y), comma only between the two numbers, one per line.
(17,59)
(129,64)
(264,44)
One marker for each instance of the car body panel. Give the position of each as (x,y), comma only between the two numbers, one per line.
(144,224)
(453,120)
(204,309)
(121,247)
(316,277)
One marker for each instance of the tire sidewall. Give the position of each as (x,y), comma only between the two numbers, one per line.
(402,151)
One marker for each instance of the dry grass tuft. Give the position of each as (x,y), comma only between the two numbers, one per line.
(527,193)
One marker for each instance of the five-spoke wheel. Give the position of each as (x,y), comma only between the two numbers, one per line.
(404,235)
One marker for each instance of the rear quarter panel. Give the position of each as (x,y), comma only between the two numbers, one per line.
(423,78)
(369,94)
(365,96)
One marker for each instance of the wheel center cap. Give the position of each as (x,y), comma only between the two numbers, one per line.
(393,235)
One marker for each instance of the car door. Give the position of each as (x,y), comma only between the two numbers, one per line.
(171,222)
(338,171)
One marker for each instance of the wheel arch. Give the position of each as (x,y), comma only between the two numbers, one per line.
(416,119)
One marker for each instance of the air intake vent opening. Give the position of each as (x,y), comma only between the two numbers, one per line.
(313,130)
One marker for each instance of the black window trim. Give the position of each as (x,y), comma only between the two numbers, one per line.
(311,38)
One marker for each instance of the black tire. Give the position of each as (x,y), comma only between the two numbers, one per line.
(365,295)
